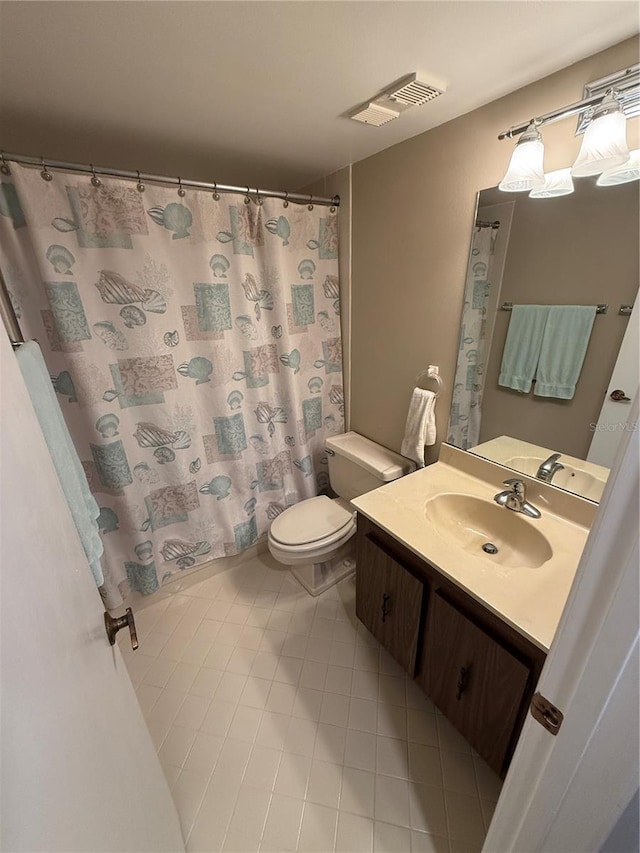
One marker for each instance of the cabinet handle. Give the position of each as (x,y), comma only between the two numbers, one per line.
(463,681)
(386,598)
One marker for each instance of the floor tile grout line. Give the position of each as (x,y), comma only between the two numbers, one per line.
(271,793)
(201,799)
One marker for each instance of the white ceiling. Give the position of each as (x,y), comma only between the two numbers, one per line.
(255,92)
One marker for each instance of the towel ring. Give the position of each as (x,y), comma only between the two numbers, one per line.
(429,375)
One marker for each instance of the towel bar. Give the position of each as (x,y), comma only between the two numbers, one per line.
(601,308)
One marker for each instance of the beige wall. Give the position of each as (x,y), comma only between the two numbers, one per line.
(412,208)
(580,249)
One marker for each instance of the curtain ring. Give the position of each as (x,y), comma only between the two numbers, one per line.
(332,209)
(247,200)
(139,186)
(45,174)
(95,180)
(285,203)
(181,192)
(259,199)
(216,194)
(310,205)
(4,168)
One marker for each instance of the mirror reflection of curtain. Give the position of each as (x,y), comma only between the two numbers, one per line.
(466,407)
(195,345)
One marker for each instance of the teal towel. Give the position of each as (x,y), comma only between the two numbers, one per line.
(522,347)
(82,504)
(564,346)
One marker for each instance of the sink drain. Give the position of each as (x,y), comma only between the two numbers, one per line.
(489,548)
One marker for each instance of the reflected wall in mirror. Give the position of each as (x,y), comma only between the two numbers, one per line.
(578,249)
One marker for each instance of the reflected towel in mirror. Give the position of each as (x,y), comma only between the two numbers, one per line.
(564,346)
(522,347)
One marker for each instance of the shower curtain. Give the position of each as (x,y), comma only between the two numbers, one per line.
(194,344)
(466,406)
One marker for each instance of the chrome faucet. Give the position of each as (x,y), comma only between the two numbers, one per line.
(515,498)
(549,467)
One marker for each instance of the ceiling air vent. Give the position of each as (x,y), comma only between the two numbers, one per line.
(413,92)
(375,114)
(406,93)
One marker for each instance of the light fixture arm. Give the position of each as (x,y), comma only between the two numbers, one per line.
(557,115)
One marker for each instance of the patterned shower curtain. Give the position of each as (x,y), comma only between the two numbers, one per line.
(466,406)
(194,344)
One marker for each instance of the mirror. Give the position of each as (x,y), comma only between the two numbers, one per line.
(578,249)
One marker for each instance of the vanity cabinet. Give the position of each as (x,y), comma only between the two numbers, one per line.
(478,670)
(389,602)
(474,680)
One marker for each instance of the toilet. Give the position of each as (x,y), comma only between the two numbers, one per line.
(315,536)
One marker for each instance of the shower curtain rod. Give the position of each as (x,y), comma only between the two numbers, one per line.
(181,183)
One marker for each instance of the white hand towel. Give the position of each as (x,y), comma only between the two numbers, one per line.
(420,428)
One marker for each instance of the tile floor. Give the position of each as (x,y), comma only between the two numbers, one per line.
(282,725)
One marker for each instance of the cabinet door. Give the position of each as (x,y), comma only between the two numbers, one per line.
(388,601)
(474,681)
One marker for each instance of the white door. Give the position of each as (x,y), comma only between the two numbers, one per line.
(79,771)
(606,436)
(566,793)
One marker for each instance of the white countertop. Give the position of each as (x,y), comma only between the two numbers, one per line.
(531,600)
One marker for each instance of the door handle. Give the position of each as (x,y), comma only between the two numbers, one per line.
(114,625)
(618,396)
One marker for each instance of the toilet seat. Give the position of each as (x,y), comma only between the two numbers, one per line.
(311,552)
(311,524)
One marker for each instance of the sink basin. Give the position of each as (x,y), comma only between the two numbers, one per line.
(582,482)
(573,479)
(471,523)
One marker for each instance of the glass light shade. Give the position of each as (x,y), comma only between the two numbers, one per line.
(555,184)
(629,171)
(604,145)
(525,170)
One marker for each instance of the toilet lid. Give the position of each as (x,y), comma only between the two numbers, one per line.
(311,520)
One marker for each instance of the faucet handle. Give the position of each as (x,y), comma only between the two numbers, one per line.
(517,484)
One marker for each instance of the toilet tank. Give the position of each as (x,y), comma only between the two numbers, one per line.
(358,465)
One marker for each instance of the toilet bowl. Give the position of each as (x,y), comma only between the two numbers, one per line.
(315,536)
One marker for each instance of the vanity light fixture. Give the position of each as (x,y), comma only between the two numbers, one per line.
(629,171)
(555,184)
(525,170)
(602,119)
(604,145)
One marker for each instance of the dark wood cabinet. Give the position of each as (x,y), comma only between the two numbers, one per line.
(473,680)
(389,602)
(478,670)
